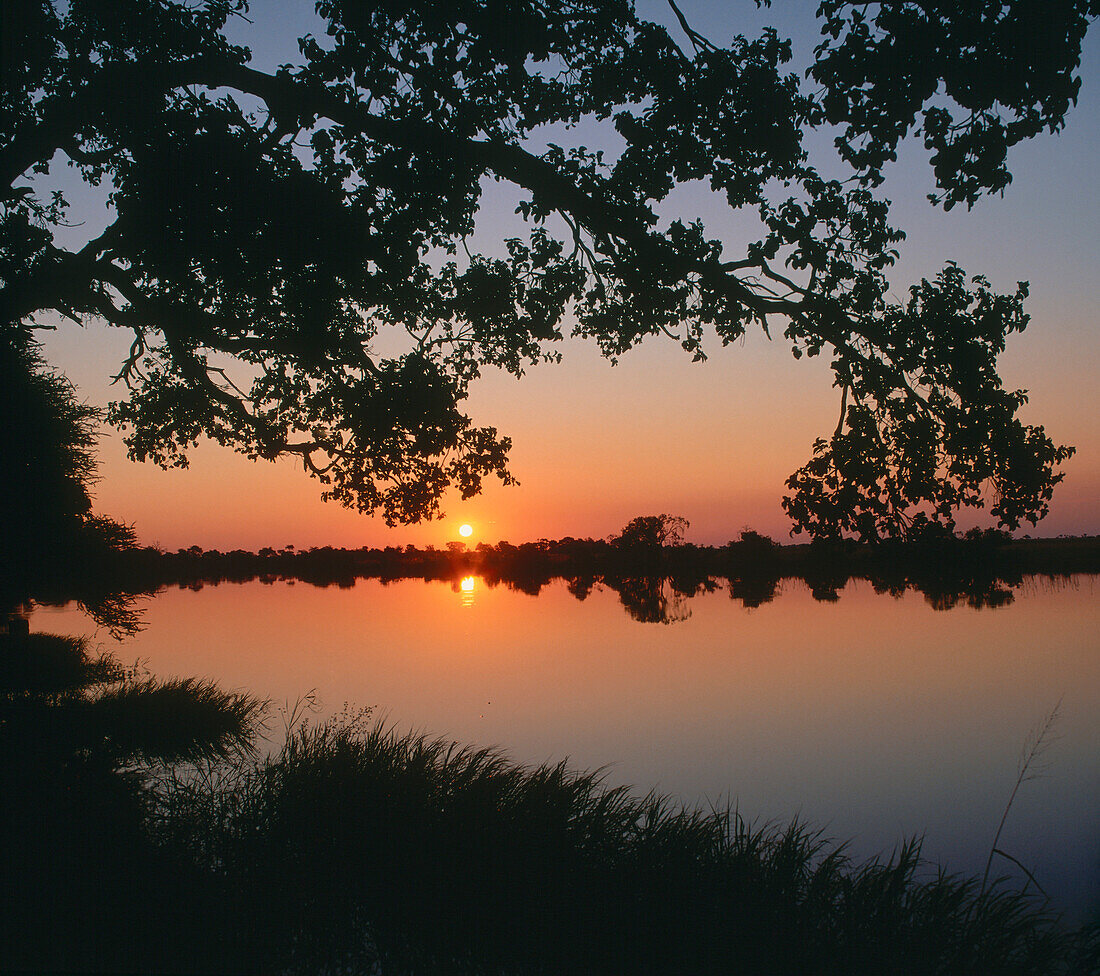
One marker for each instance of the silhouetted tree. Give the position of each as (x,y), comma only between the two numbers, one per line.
(47,462)
(293,224)
(754,546)
(1007,67)
(651,533)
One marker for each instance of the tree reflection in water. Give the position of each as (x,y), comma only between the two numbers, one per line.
(651,598)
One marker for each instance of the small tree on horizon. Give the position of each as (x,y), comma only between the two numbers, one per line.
(651,533)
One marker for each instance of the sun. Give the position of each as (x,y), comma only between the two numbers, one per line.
(466,530)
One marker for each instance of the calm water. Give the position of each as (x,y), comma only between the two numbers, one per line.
(873,718)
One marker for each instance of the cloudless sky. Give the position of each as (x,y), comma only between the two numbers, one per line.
(595,445)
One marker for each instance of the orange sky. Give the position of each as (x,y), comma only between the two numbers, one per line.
(595,445)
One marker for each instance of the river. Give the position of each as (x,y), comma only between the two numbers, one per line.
(874,718)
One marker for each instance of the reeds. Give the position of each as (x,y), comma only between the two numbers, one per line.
(365,847)
(57,698)
(145,834)
(1030,768)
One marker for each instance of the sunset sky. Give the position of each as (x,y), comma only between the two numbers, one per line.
(596,445)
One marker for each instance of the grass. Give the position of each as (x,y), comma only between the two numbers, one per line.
(1029,769)
(82,885)
(360,847)
(354,848)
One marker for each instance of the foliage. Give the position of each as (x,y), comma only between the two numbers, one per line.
(750,542)
(344,324)
(983,568)
(1008,66)
(652,532)
(890,471)
(361,847)
(47,461)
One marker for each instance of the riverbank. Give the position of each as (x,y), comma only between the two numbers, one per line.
(357,848)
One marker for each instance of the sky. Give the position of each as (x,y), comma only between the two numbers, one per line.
(596,445)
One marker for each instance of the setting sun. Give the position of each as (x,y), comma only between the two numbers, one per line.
(466,530)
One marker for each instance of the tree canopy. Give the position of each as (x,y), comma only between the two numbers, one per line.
(651,532)
(47,449)
(290,249)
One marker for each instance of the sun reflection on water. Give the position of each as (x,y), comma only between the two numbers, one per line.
(466,588)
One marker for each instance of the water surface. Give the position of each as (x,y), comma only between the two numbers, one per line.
(872,717)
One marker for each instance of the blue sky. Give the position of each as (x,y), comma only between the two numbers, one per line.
(596,445)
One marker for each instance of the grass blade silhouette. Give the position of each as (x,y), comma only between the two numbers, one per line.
(1034,747)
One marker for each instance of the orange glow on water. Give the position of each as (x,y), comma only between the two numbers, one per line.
(873,717)
(466,588)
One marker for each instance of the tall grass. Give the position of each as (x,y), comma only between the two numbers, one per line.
(357,848)
(144,834)
(57,698)
(1030,768)
(81,886)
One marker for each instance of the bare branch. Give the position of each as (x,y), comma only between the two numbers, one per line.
(699,42)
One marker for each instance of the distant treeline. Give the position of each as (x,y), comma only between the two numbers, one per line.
(652,580)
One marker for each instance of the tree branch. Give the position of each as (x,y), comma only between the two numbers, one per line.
(294,100)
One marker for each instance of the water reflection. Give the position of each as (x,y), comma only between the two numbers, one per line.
(876,717)
(653,601)
(466,588)
(647,599)
(654,589)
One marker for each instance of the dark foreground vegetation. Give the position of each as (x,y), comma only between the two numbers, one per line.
(146,833)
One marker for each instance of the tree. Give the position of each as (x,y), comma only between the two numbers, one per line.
(651,532)
(268,235)
(47,463)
